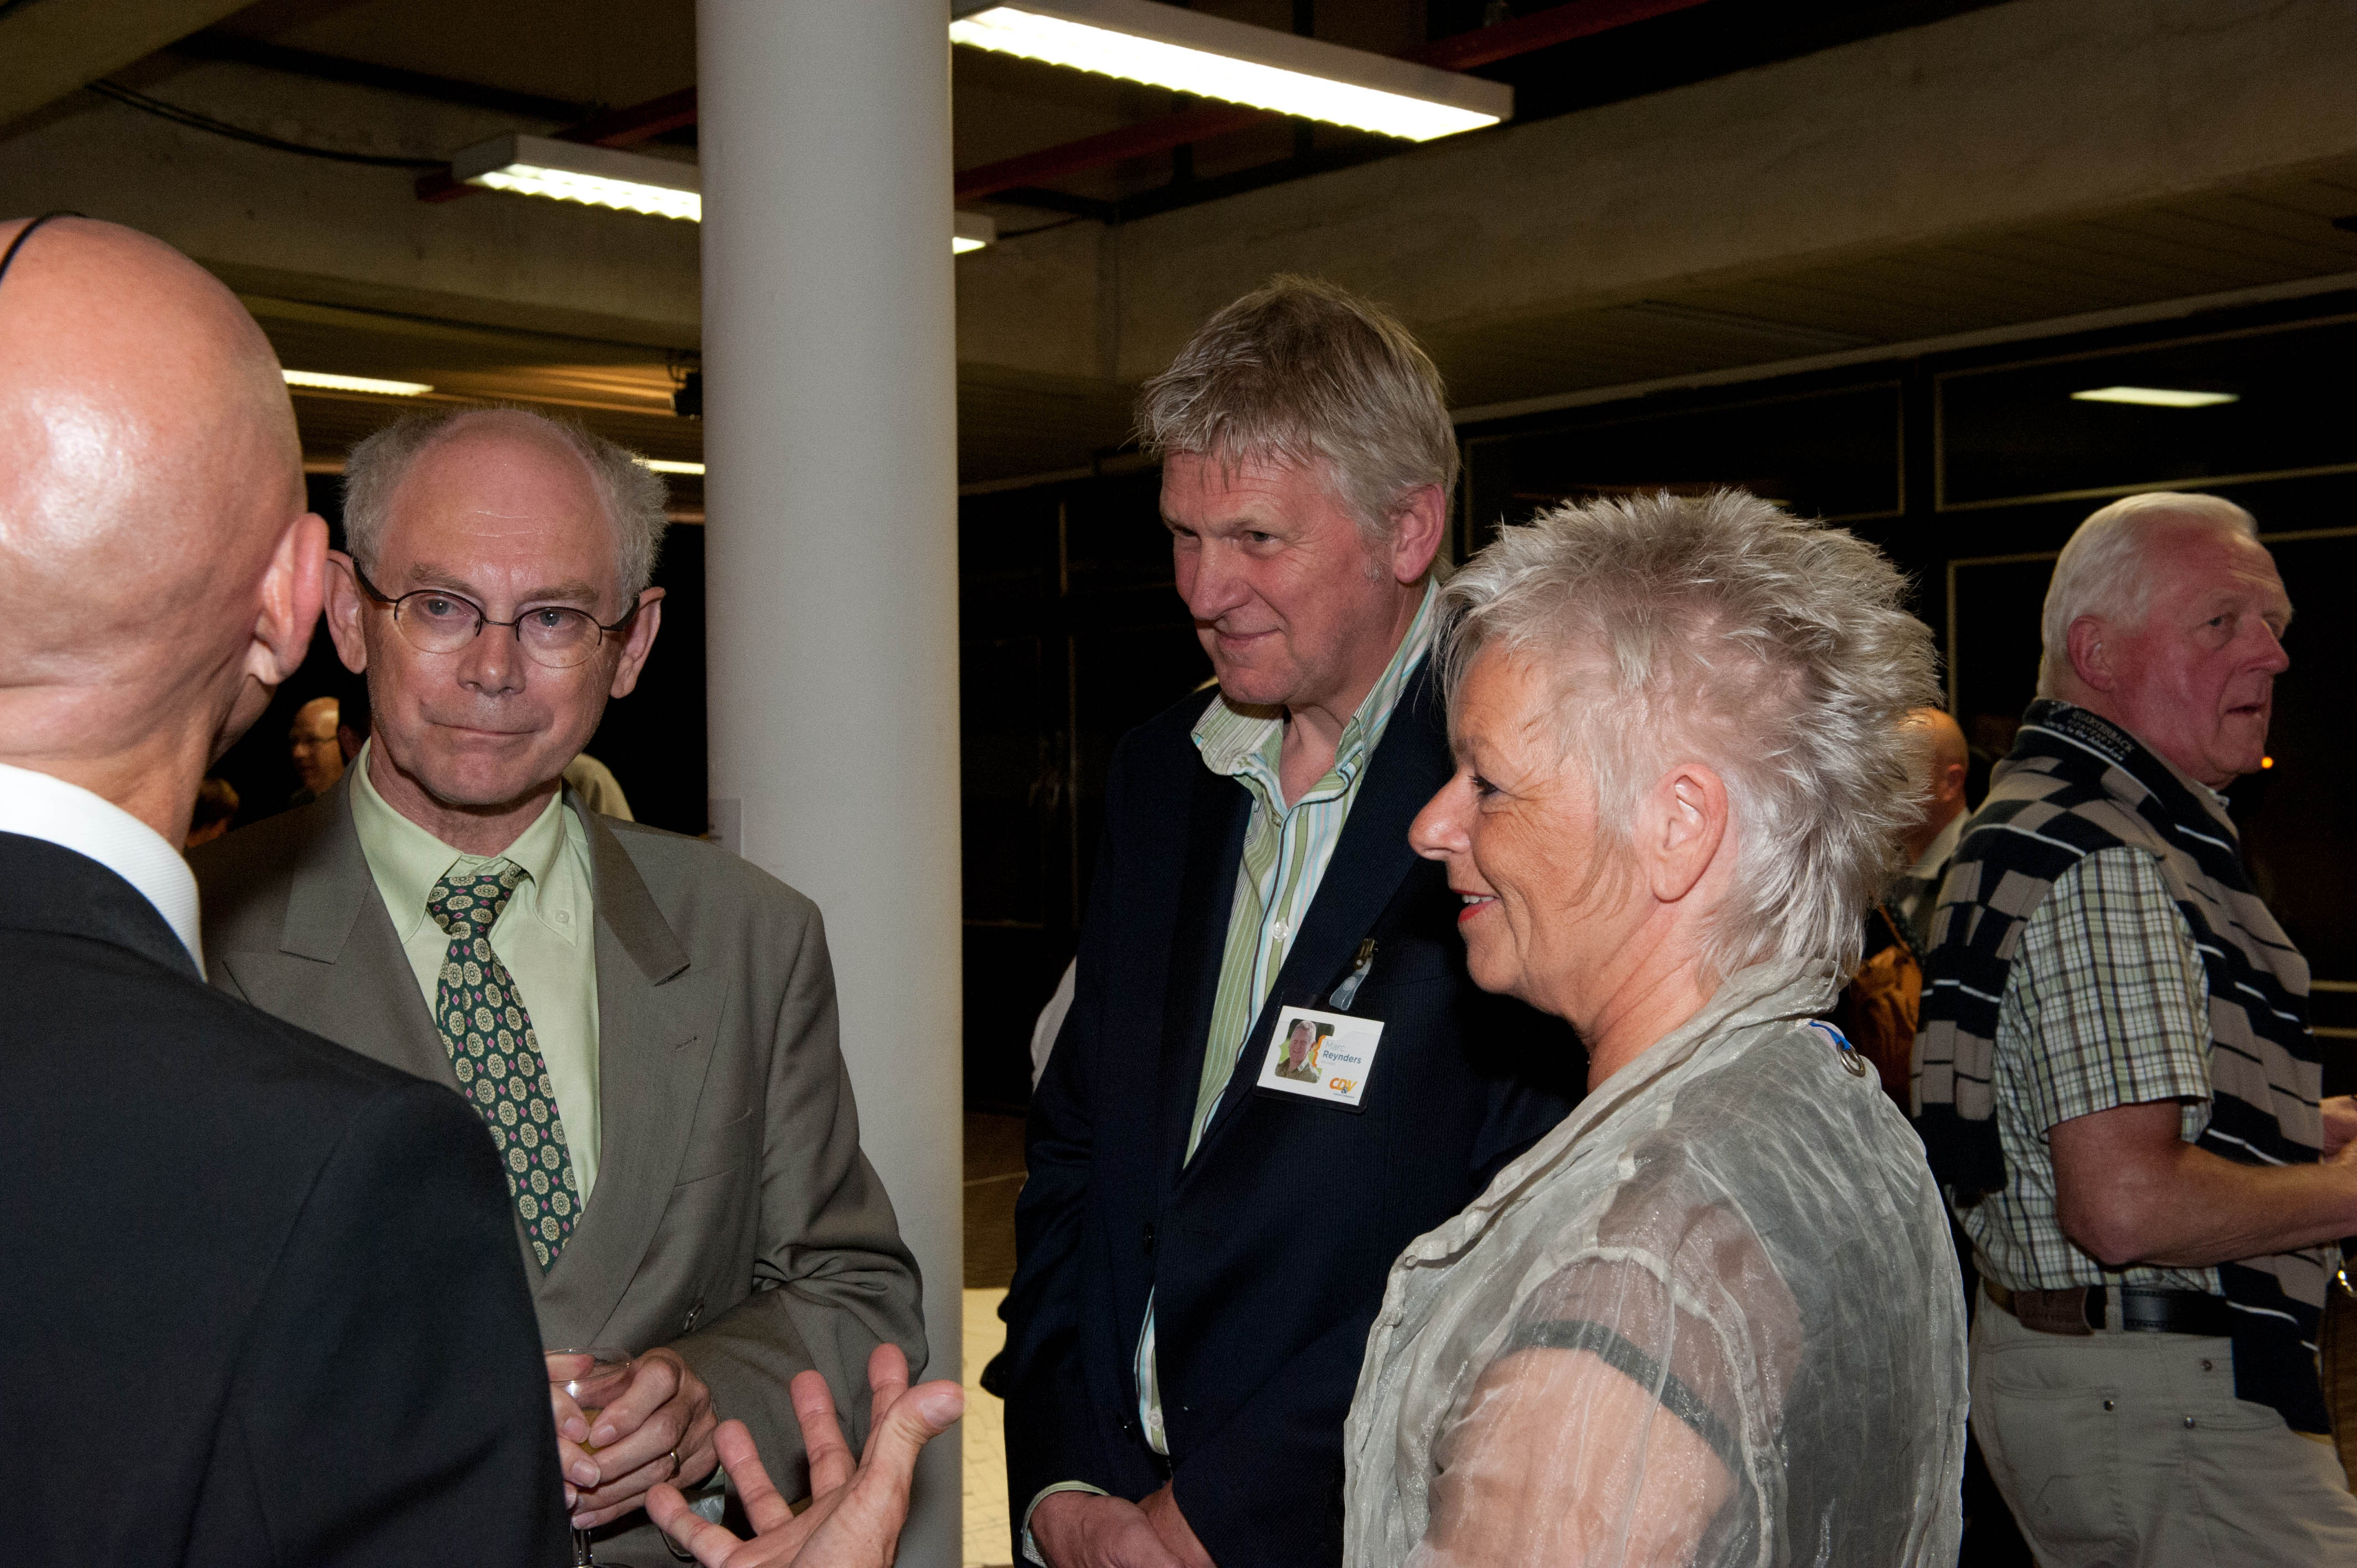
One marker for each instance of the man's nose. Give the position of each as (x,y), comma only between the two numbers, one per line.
(1211,585)
(492,661)
(2271,655)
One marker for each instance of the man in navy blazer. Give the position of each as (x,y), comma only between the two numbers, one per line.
(1202,1241)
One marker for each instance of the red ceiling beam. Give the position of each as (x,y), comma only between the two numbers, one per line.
(1558,24)
(1482,46)
(1136,140)
(615,128)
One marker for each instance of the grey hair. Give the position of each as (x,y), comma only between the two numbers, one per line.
(1304,373)
(634,494)
(1722,629)
(2105,570)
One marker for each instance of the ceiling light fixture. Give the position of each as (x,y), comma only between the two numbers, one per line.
(576,171)
(665,465)
(1187,52)
(2155,397)
(628,182)
(325,381)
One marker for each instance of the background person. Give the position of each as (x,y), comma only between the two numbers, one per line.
(598,788)
(2116,1074)
(1166,1398)
(1881,1003)
(658,1066)
(263,1303)
(311,743)
(215,809)
(1713,1318)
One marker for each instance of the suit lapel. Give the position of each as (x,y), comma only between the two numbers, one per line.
(1369,862)
(368,998)
(1218,814)
(657,1021)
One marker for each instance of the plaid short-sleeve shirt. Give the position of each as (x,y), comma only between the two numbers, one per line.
(2107,1004)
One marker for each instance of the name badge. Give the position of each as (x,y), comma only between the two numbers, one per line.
(1321,1056)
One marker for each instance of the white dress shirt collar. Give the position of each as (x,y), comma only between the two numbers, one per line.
(41,807)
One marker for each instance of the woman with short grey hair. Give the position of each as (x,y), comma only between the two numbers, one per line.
(1713,1317)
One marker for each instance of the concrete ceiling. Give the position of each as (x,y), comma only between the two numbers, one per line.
(1996,165)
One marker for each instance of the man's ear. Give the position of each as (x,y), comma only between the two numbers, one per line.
(1418,524)
(1681,825)
(290,602)
(638,642)
(340,581)
(2089,645)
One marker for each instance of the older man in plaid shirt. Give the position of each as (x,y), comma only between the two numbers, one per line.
(2117,1076)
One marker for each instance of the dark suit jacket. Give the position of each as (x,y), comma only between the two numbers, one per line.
(260,1302)
(733,1219)
(1266,1253)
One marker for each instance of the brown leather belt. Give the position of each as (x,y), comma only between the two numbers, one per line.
(2144,1309)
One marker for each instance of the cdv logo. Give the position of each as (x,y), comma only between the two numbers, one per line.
(1342,1085)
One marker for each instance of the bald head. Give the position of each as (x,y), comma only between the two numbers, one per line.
(152,519)
(1950,761)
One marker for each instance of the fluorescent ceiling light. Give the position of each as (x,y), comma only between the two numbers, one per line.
(355,384)
(2155,397)
(971,232)
(1187,52)
(574,171)
(628,182)
(665,466)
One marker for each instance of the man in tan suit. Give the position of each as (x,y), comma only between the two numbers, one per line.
(644,1023)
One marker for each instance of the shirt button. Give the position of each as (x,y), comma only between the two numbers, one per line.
(1278,929)
(564,916)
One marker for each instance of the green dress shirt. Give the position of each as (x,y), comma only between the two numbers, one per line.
(546,935)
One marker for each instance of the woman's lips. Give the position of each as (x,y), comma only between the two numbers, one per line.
(1474,903)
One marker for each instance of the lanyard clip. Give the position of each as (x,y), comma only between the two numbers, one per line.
(1341,1000)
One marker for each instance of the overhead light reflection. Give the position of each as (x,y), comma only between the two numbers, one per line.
(2155,397)
(326,381)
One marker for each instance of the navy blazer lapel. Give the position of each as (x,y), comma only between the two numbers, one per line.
(1370,861)
(1219,810)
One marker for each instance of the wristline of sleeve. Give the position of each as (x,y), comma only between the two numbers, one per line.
(1030,1548)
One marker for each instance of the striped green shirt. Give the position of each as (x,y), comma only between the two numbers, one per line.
(1286,852)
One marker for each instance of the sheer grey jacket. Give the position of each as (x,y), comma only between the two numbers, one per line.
(735,1218)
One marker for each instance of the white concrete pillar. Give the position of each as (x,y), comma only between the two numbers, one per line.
(830,565)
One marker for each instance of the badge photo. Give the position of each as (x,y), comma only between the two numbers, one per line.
(1321,1056)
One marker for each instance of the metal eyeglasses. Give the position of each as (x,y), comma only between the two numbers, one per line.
(436,620)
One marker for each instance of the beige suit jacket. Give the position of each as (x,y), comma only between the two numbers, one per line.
(734,1218)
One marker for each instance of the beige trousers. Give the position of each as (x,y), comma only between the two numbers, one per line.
(2131,1451)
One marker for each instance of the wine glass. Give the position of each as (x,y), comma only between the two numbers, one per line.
(603,1380)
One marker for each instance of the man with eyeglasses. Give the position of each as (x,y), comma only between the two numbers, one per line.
(644,1023)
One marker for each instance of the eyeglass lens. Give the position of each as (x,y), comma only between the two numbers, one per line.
(554,634)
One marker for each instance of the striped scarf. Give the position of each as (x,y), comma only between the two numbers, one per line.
(2076,784)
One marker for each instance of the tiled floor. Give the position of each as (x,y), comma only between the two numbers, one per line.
(985,1438)
(993,1175)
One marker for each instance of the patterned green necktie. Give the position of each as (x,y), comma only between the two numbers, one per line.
(494,1052)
